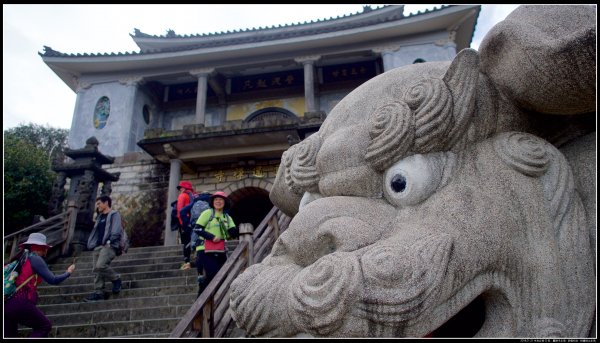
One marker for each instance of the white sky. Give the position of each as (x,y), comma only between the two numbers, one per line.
(32,93)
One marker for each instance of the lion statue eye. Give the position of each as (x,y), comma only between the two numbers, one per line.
(415,178)
(398,183)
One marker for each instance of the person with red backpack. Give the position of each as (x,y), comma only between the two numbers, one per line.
(186,194)
(21,307)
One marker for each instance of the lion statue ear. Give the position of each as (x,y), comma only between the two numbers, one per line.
(461,79)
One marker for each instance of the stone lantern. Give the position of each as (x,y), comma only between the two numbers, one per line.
(86,174)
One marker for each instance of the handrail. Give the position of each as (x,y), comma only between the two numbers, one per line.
(59,231)
(210,315)
(199,317)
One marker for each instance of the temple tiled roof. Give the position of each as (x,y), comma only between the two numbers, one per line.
(172,34)
(249,36)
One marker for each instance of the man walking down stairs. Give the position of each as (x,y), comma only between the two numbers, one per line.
(154,297)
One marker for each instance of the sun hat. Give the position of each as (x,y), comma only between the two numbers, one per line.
(186,185)
(36,238)
(221,195)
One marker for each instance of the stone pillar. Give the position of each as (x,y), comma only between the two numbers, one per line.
(78,120)
(387,54)
(129,122)
(202,75)
(309,81)
(84,190)
(174,177)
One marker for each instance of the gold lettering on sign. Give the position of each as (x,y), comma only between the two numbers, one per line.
(261,83)
(289,79)
(248,84)
(258,172)
(276,81)
(220,176)
(238,173)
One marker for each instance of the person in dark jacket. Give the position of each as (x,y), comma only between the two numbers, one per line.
(21,307)
(104,240)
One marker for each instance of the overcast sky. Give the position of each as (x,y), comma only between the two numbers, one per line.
(32,93)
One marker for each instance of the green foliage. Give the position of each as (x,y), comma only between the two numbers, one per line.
(53,141)
(27,182)
(29,150)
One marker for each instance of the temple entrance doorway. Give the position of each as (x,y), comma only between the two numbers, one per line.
(250,205)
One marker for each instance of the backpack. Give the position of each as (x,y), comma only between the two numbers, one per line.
(198,207)
(174,219)
(10,276)
(124,241)
(175,225)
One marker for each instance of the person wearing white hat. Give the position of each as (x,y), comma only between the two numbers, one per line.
(21,307)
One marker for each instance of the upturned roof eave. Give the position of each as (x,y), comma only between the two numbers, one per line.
(149,42)
(69,68)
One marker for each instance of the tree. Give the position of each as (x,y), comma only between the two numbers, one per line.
(28,177)
(53,141)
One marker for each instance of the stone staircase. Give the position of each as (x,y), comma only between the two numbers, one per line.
(154,297)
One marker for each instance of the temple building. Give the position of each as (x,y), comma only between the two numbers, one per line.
(219,109)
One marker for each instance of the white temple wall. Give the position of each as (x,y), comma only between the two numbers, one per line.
(114,136)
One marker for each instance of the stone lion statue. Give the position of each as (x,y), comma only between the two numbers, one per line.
(445,198)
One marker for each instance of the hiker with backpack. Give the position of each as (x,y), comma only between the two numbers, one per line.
(20,307)
(215,226)
(104,240)
(190,215)
(186,194)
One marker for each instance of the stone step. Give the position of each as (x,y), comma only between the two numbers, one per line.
(120,303)
(125,293)
(133,267)
(87,257)
(75,279)
(155,295)
(187,277)
(134,328)
(94,317)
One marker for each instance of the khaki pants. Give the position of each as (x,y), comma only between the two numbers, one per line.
(102,256)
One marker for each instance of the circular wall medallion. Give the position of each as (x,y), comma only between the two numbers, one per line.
(101,112)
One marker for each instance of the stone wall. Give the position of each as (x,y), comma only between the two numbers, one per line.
(140,196)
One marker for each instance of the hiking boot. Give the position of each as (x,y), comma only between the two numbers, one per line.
(185,266)
(94,297)
(116,286)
